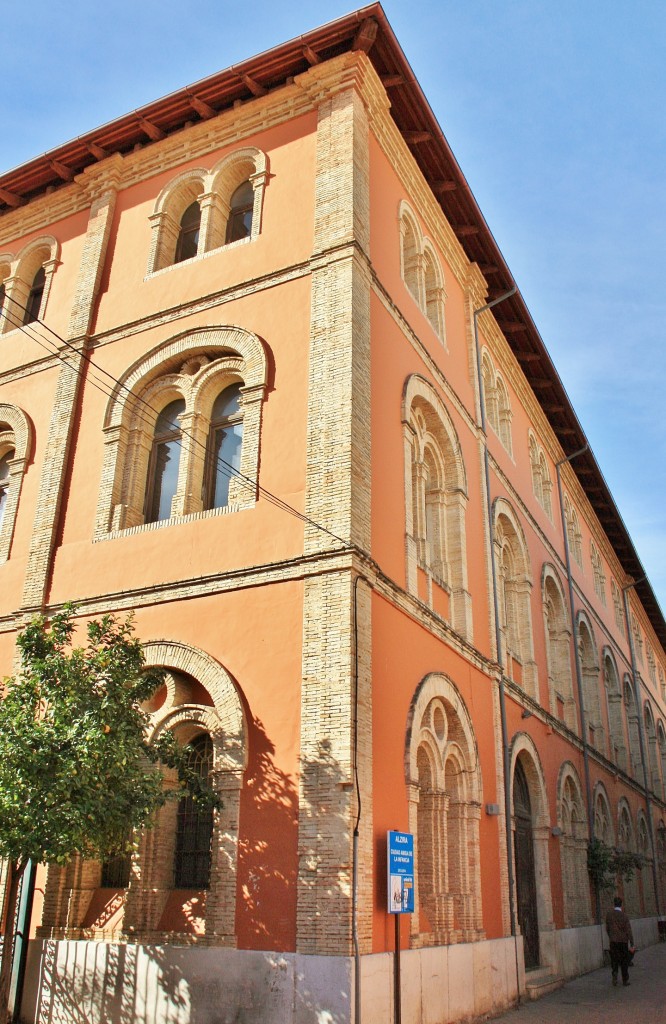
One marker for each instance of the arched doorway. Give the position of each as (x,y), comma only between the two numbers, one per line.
(526,895)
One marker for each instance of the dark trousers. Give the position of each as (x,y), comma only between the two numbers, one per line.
(619,956)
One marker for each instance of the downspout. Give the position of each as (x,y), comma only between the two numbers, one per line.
(21,937)
(498,633)
(641,738)
(357,787)
(579,668)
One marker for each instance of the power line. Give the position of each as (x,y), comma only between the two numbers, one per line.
(96,381)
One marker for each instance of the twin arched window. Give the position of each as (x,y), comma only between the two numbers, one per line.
(183,431)
(222,455)
(421,270)
(436,500)
(514,588)
(5,461)
(25,282)
(542,484)
(574,536)
(444,786)
(201,210)
(496,400)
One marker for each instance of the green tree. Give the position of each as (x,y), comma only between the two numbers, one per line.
(77,771)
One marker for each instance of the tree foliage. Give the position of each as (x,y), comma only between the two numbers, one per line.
(606,865)
(77,770)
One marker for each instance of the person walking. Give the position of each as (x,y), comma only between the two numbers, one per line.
(620,937)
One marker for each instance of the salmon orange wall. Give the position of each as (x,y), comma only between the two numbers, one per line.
(127,293)
(262,534)
(402,655)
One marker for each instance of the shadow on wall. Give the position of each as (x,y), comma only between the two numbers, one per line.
(89,982)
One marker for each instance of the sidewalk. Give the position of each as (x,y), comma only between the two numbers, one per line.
(592,999)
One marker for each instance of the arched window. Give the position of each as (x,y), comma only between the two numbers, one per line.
(241,207)
(421,270)
(194,828)
(4,481)
(190,847)
(35,296)
(164,462)
(618,749)
(444,786)
(410,258)
(148,476)
(617,607)
(661,741)
(626,844)
(515,585)
(535,467)
(573,850)
(25,282)
(202,210)
(187,245)
(496,401)
(645,851)
(225,446)
(590,670)
(598,573)
(15,450)
(574,536)
(558,649)
(631,711)
(435,504)
(651,751)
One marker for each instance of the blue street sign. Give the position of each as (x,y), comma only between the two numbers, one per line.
(400,870)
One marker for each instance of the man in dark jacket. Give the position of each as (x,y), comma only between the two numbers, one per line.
(620,937)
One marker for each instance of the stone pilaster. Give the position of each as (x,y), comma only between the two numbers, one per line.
(103,184)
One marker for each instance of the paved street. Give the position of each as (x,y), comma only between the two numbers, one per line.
(593,1000)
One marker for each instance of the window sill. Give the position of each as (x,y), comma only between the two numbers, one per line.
(200,256)
(192,517)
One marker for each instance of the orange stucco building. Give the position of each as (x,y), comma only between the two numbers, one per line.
(267,383)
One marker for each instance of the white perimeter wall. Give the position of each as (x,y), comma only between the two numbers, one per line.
(114,983)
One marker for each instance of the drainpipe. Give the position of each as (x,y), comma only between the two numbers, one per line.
(641,738)
(498,633)
(579,669)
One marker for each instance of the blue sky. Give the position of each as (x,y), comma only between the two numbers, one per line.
(555,112)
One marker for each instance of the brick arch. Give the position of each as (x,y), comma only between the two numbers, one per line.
(572,819)
(435,505)
(557,632)
(40,252)
(524,749)
(515,585)
(17,434)
(444,789)
(194,178)
(239,356)
(603,818)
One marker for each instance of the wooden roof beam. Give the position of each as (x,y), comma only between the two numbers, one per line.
(388,81)
(511,326)
(151,130)
(200,107)
(11,198)
(64,172)
(255,87)
(311,57)
(466,230)
(446,185)
(366,35)
(528,357)
(412,137)
(97,151)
